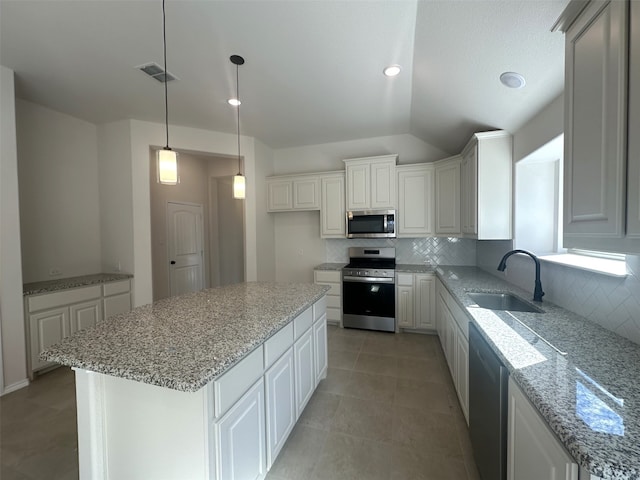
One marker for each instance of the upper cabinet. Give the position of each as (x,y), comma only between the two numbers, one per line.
(415,200)
(447,204)
(371,182)
(486,186)
(293,192)
(332,207)
(602,83)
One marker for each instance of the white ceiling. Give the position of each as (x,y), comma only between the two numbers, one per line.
(313,71)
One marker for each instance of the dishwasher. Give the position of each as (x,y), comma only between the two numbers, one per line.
(488,380)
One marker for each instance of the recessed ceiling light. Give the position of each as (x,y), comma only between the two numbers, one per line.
(234,101)
(512,80)
(392,70)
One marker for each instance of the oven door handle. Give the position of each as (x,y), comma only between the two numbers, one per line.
(369,279)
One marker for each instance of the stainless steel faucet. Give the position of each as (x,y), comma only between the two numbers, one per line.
(537,292)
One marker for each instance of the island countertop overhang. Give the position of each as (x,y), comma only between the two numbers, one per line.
(185,342)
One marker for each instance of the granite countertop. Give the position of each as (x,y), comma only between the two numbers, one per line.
(330,266)
(585,381)
(411,268)
(184,342)
(49,286)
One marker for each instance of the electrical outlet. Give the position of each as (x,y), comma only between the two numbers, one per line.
(117,267)
(54,272)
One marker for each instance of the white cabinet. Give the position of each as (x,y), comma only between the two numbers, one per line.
(447,190)
(280,404)
(293,192)
(415,200)
(320,348)
(240,438)
(486,179)
(46,328)
(332,279)
(596,129)
(332,206)
(371,182)
(453,330)
(117,298)
(415,301)
(633,153)
(85,315)
(533,452)
(304,370)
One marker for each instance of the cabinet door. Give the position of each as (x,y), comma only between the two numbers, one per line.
(358,184)
(240,438)
(469,191)
(633,157)
(415,202)
(462,373)
(304,369)
(332,210)
(306,195)
(116,304)
(450,333)
(85,315)
(448,198)
(280,195)
(425,296)
(320,348)
(47,328)
(441,321)
(533,452)
(404,306)
(280,404)
(383,185)
(595,123)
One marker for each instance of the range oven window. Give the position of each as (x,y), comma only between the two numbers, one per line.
(369,298)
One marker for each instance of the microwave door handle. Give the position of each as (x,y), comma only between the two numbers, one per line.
(384,225)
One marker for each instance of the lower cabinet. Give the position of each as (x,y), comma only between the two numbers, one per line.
(533,452)
(85,315)
(453,331)
(280,404)
(240,438)
(304,370)
(415,301)
(320,348)
(333,280)
(46,328)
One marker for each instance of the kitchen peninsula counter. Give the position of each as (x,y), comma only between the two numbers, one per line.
(184,342)
(583,379)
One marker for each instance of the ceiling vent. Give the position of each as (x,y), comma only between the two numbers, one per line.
(157,72)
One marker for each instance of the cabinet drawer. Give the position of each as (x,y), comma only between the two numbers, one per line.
(328,276)
(319,308)
(278,344)
(333,314)
(68,297)
(333,301)
(114,288)
(302,322)
(405,279)
(334,288)
(232,385)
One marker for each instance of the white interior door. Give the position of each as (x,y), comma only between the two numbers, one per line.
(185,247)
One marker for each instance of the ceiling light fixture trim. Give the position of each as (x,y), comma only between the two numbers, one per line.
(512,80)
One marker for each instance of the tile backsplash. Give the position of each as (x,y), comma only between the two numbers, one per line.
(434,250)
(611,302)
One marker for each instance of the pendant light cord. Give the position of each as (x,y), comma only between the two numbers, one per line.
(166,97)
(238,113)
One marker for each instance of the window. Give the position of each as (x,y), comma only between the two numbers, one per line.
(538,213)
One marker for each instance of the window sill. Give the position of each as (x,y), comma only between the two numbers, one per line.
(612,268)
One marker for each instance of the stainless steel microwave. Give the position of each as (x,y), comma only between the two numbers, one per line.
(371,224)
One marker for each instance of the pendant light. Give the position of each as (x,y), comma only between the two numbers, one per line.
(239,183)
(167,158)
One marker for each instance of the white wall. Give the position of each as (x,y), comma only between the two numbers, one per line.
(265,222)
(59,200)
(13,361)
(329,156)
(540,129)
(299,247)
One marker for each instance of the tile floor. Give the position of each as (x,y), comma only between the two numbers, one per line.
(387,410)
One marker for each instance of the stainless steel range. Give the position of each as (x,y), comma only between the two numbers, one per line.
(368,289)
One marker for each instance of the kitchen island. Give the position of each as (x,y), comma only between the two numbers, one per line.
(199,386)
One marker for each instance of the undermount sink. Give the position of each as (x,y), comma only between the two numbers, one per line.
(502,301)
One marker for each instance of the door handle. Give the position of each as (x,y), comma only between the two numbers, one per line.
(173,262)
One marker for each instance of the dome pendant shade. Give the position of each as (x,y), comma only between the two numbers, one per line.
(167,166)
(239,187)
